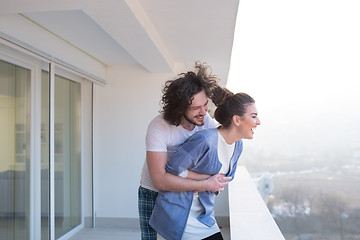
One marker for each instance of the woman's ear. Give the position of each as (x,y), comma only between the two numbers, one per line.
(236,120)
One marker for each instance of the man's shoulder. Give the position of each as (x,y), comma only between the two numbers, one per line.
(159,121)
(162,127)
(157,136)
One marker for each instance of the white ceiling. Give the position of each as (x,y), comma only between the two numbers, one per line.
(161,35)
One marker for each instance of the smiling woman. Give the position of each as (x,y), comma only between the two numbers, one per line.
(300,61)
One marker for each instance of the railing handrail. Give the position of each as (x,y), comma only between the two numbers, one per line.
(250,219)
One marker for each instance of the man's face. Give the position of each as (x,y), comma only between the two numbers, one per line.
(195,114)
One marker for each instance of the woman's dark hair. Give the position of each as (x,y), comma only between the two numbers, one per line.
(229,104)
(179,93)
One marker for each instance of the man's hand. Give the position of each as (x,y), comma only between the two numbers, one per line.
(216,183)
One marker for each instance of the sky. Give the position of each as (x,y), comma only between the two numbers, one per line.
(300,60)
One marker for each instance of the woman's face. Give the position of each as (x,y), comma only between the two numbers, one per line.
(248,122)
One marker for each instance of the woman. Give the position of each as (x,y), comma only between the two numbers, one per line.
(189,215)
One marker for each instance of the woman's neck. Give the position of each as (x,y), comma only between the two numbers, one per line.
(228,134)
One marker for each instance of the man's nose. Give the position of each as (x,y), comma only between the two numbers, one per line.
(204,110)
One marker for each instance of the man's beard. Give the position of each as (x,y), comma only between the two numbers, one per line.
(193,122)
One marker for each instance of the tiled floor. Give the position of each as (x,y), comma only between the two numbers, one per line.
(119,234)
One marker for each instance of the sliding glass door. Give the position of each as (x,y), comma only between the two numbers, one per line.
(40,149)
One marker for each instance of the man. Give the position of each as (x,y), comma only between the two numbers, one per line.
(184,113)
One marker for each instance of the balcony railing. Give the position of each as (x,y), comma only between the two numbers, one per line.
(249,215)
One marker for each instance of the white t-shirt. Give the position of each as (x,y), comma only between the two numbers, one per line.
(225,152)
(162,136)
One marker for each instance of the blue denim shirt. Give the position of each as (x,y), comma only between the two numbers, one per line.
(199,153)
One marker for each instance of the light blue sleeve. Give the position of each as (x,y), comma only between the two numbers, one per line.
(185,156)
(238,149)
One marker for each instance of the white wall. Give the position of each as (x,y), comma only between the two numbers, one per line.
(123,108)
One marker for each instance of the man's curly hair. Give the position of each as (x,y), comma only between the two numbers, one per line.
(179,93)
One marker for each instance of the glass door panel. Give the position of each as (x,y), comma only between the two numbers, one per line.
(14,151)
(67,155)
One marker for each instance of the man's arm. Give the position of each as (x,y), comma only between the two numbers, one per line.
(165,181)
(197,176)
